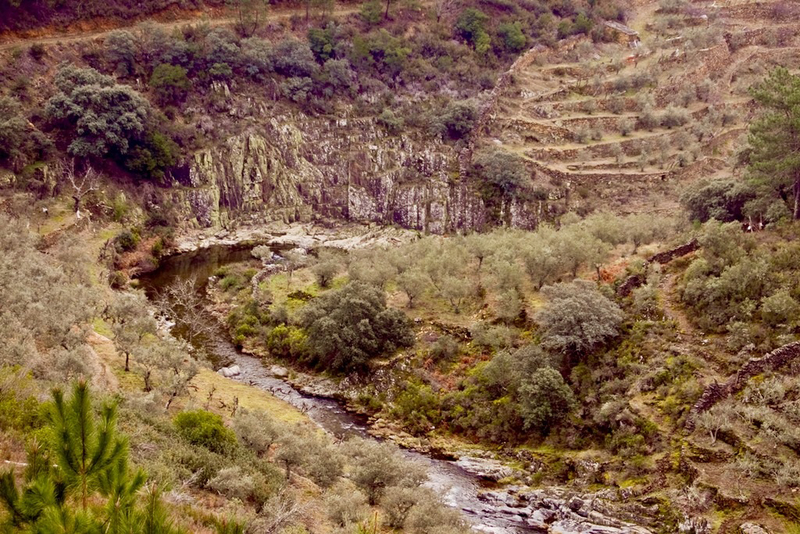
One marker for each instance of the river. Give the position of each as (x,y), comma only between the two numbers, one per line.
(458,488)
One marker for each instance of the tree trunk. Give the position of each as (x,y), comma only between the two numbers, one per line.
(797,197)
(386,14)
(169,401)
(127,362)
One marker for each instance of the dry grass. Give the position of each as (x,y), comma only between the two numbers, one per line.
(250,398)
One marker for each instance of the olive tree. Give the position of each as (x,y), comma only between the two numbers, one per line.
(377,466)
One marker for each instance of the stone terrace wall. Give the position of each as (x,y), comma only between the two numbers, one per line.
(716,392)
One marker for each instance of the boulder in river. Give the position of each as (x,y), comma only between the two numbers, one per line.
(278,371)
(231,371)
(485,468)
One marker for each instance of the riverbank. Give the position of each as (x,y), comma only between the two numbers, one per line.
(296,235)
(507,479)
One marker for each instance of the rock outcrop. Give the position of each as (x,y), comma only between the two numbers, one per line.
(303,169)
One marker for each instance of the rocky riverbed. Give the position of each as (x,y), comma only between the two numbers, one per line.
(297,235)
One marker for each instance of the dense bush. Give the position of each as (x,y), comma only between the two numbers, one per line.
(502,174)
(102,116)
(350,326)
(206,429)
(170,83)
(19,145)
(457,119)
(577,317)
(722,199)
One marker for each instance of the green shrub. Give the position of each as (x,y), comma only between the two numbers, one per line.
(389,120)
(371,12)
(126,240)
(458,119)
(37,51)
(471,25)
(287,342)
(19,414)
(419,407)
(170,83)
(230,281)
(511,34)
(205,429)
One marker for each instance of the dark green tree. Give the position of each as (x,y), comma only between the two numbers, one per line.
(471,25)
(577,318)
(502,174)
(350,326)
(513,38)
(544,399)
(775,137)
(170,83)
(101,115)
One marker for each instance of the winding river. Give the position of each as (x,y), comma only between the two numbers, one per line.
(458,488)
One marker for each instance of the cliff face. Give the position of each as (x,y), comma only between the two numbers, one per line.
(299,168)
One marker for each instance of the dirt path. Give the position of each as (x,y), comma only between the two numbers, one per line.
(71,37)
(695,341)
(102,353)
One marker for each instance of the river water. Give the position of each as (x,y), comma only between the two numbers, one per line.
(457,487)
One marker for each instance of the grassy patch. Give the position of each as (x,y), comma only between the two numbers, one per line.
(249,397)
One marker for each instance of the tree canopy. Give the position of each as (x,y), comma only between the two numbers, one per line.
(577,317)
(102,115)
(350,326)
(775,137)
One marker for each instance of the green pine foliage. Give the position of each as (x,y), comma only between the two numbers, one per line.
(84,462)
(775,138)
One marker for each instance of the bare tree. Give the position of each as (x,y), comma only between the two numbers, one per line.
(440,7)
(82,183)
(182,302)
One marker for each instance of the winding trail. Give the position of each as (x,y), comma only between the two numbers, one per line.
(9,41)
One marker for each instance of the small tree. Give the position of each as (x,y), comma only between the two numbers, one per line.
(544,399)
(84,451)
(182,302)
(250,14)
(81,183)
(170,83)
(85,459)
(130,322)
(414,283)
(257,431)
(326,268)
(471,25)
(377,466)
(502,174)
(291,452)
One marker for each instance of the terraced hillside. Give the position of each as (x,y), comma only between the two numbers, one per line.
(627,126)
